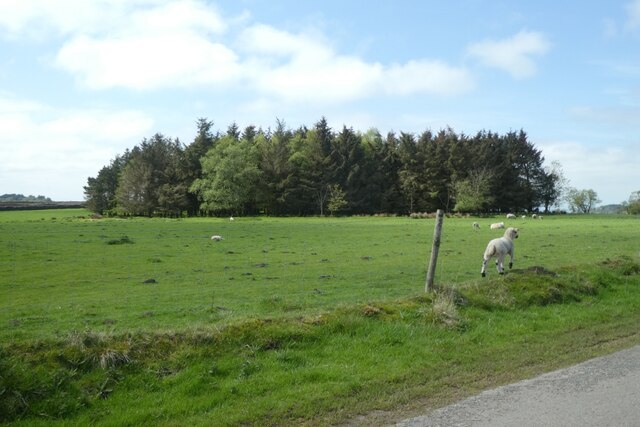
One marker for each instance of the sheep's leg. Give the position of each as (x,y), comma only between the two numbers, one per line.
(510,260)
(499,264)
(484,267)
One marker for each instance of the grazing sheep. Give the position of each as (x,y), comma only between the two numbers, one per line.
(476,226)
(523,217)
(534,216)
(511,216)
(230,218)
(216,237)
(499,248)
(496,225)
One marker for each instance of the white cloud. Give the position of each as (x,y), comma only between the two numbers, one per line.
(427,76)
(148,61)
(33,141)
(144,44)
(305,79)
(514,54)
(611,171)
(300,67)
(42,18)
(633,15)
(9,104)
(176,16)
(154,44)
(166,46)
(47,150)
(266,41)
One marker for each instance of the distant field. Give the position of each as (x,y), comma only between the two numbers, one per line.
(31,205)
(307,320)
(61,271)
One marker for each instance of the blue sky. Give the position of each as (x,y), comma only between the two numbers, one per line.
(81,81)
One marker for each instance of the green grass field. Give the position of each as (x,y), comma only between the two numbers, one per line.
(292,321)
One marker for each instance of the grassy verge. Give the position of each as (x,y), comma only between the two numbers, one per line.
(365,363)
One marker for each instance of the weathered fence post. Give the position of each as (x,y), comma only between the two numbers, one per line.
(434,250)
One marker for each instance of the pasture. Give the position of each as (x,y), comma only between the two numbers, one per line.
(274,284)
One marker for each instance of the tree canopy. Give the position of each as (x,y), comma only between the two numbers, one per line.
(582,201)
(312,171)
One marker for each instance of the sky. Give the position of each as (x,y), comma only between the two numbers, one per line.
(81,81)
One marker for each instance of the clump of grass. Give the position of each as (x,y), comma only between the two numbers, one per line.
(124,240)
(534,286)
(38,390)
(444,310)
(624,265)
(441,309)
(92,349)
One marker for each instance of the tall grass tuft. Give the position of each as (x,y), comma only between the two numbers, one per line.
(441,310)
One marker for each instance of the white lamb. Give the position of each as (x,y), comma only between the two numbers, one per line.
(476,226)
(499,248)
(511,216)
(216,237)
(496,225)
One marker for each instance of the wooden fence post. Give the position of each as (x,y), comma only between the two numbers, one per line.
(434,250)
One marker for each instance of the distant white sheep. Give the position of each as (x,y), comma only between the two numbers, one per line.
(499,248)
(496,225)
(534,216)
(476,226)
(523,217)
(230,218)
(511,216)
(216,238)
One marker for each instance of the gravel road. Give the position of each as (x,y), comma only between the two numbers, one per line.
(600,392)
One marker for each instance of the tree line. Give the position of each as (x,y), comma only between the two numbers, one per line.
(319,171)
(22,198)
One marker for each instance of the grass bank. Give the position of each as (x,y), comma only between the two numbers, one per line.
(362,362)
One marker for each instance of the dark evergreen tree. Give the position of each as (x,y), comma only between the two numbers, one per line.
(325,136)
(379,175)
(311,164)
(347,169)
(100,192)
(274,152)
(249,134)
(193,154)
(437,180)
(526,162)
(410,170)
(233,131)
(151,181)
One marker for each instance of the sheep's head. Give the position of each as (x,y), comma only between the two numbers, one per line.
(511,233)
